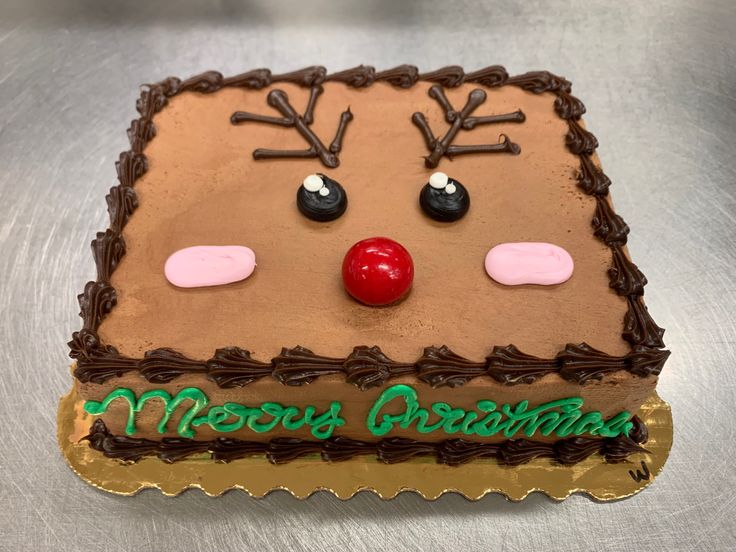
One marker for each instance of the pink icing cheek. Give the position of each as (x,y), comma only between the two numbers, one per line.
(514,264)
(209,265)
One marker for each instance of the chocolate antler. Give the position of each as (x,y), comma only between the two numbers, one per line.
(463,121)
(279,100)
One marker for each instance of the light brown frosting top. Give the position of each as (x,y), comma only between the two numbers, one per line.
(204,188)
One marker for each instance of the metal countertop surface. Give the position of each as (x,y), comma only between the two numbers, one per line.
(659,82)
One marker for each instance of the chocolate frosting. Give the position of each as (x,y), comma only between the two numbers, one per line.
(568,106)
(163,365)
(366,366)
(234,367)
(639,327)
(609,226)
(449,77)
(390,450)
(357,77)
(540,81)
(403,76)
(579,140)
(491,76)
(309,76)
(440,367)
(299,365)
(509,365)
(591,179)
(255,79)
(626,278)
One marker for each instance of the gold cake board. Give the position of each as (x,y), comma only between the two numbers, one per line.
(257,477)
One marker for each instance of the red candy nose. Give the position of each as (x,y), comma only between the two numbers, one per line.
(377,271)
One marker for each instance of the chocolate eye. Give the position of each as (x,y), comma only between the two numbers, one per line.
(444,199)
(320,198)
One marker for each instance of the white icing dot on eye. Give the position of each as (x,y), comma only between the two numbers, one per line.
(313,183)
(324,191)
(438,180)
(450,188)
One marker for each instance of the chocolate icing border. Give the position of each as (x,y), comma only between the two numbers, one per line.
(453,452)
(366,366)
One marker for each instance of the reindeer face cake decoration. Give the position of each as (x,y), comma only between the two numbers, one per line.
(380,271)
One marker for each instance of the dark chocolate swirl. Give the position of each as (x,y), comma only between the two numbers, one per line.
(608,226)
(286,449)
(591,179)
(173,449)
(121,202)
(97,363)
(299,366)
(234,367)
(510,366)
(120,447)
(460,451)
(255,79)
(619,449)
(639,327)
(440,367)
(107,250)
(309,76)
(357,77)
(579,140)
(403,76)
(521,451)
(626,278)
(339,448)
(582,363)
(225,449)
(209,81)
(368,367)
(540,81)
(164,365)
(130,167)
(453,452)
(96,301)
(449,77)
(568,106)
(140,132)
(575,449)
(491,76)
(152,100)
(399,449)
(645,362)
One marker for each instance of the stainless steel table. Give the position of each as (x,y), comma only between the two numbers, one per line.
(658,81)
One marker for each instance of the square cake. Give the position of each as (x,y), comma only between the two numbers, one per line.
(294,266)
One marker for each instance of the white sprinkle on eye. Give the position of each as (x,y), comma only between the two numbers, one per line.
(438,180)
(450,188)
(313,183)
(324,191)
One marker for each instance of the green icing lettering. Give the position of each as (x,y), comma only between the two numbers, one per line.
(561,417)
(226,418)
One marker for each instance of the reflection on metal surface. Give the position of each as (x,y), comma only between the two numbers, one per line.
(257,477)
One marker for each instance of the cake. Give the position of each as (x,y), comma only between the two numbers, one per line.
(364,264)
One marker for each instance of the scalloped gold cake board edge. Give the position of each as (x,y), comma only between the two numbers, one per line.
(257,477)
